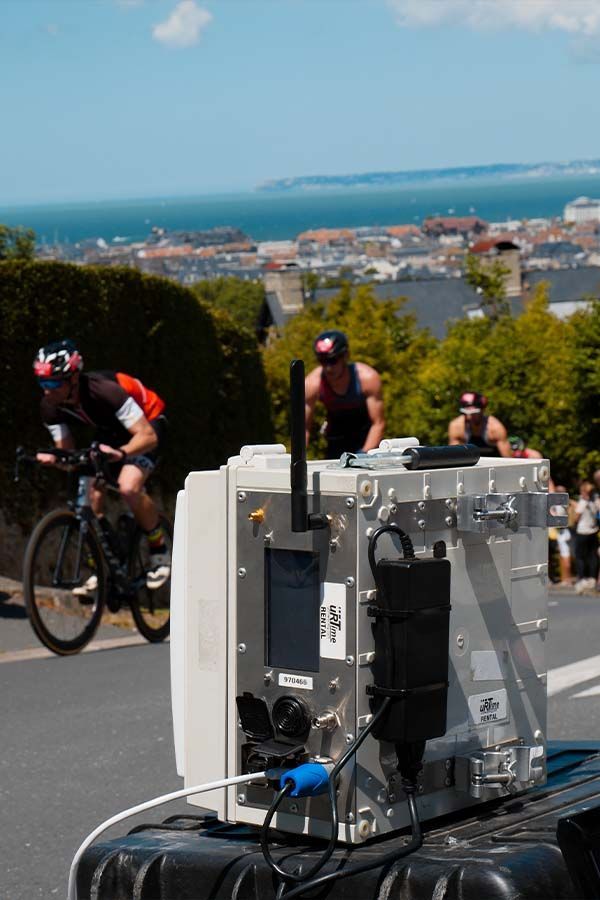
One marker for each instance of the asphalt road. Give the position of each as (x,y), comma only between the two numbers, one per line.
(86,736)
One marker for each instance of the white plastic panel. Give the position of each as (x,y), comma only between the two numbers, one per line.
(206,635)
(178,606)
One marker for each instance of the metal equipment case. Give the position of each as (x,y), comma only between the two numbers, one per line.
(264,612)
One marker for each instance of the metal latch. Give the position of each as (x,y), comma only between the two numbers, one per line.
(527,509)
(489,773)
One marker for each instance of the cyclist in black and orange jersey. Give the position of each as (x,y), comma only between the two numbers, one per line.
(351,395)
(130,427)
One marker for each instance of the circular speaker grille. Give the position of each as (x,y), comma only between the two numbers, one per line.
(290,716)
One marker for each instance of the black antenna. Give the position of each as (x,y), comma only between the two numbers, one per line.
(301,520)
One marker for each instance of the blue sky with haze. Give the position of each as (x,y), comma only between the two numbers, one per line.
(133,98)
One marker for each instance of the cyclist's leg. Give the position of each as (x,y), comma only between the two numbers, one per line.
(132,478)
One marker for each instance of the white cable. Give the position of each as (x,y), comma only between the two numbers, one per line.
(174,795)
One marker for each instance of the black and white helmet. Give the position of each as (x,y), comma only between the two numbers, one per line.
(59,359)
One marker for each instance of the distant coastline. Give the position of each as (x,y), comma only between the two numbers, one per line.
(497,172)
(271,215)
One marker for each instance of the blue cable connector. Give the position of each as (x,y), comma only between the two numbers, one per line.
(308,780)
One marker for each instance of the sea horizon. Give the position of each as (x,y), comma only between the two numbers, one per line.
(283,215)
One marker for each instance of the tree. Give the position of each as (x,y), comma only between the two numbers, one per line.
(379,334)
(489,280)
(16,243)
(241,299)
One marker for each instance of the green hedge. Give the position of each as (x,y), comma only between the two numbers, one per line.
(207,369)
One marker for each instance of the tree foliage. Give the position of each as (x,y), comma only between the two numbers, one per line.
(539,372)
(16,243)
(390,343)
(488,278)
(242,300)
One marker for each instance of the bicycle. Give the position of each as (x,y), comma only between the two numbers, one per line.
(76,564)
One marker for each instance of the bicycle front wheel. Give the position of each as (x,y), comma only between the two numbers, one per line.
(63,582)
(151,609)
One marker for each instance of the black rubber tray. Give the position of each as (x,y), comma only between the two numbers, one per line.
(507,849)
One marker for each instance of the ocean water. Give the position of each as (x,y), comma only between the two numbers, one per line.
(266,216)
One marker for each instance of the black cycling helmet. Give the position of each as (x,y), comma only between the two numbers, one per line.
(471,402)
(57,360)
(330,344)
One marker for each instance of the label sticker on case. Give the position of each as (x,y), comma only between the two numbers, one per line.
(489,708)
(332,620)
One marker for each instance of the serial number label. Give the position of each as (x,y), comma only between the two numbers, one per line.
(304,682)
(489,708)
(332,620)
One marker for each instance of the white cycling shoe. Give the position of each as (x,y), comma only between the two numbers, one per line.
(159,572)
(87,589)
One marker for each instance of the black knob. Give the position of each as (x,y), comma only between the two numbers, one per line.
(291,716)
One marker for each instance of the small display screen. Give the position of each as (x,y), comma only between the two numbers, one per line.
(292,609)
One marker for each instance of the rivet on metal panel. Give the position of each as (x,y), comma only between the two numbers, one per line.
(334,684)
(393,509)
(294,807)
(241,799)
(460,487)
(334,544)
(381,796)
(369,531)
(421,505)
(460,640)
(349,738)
(522,482)
(392,798)
(364,828)
(427,491)
(391,493)
(448,763)
(543,473)
(349,660)
(350,501)
(349,581)
(268,538)
(241,572)
(449,520)
(492,485)
(241,648)
(241,496)
(448,782)
(268,677)
(421,523)
(389,812)
(365,488)
(383,514)
(350,817)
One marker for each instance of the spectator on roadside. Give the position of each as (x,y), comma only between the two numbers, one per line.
(586,538)
(564,542)
(520,450)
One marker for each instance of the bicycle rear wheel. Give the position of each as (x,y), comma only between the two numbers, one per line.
(151,610)
(63,582)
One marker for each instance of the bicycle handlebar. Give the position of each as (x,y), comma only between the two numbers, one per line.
(83,458)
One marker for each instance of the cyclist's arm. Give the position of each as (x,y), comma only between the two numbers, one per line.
(63,439)
(311,395)
(143,438)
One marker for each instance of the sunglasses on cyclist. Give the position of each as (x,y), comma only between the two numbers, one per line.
(49,384)
(327,362)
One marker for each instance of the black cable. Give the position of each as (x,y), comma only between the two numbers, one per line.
(415,842)
(331,790)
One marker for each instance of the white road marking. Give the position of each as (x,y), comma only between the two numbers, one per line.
(569,676)
(589,692)
(93,647)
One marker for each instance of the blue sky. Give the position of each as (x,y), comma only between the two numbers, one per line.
(132,98)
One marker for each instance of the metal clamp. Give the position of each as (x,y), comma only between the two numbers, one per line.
(528,509)
(489,773)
